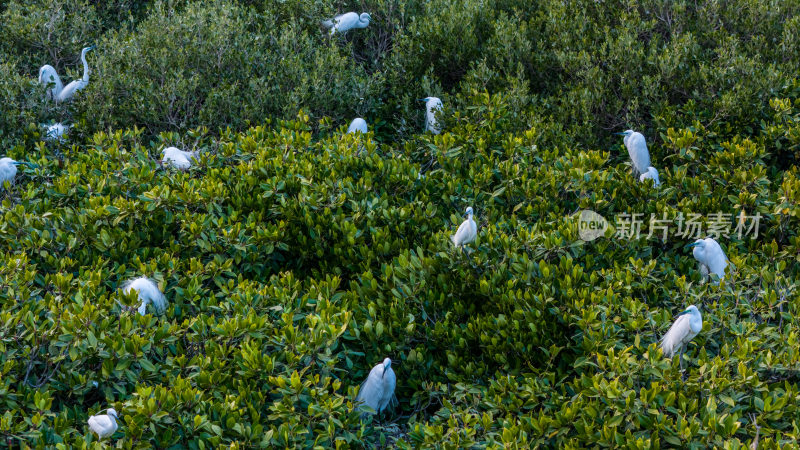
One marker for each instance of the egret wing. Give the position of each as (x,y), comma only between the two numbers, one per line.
(672,342)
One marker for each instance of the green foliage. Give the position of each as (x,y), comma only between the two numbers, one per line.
(295,257)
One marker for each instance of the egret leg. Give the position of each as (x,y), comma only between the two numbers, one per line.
(680,358)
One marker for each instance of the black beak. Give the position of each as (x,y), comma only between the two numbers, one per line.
(384,372)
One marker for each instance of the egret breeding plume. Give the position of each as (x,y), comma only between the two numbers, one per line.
(651,174)
(347,21)
(433,105)
(104,425)
(358,124)
(148,292)
(56,132)
(686,326)
(177,158)
(637,149)
(377,391)
(467,231)
(710,257)
(56,90)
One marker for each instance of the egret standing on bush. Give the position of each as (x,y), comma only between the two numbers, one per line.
(177,158)
(345,22)
(637,149)
(710,257)
(377,391)
(57,91)
(467,231)
(651,174)
(433,105)
(148,292)
(358,124)
(104,425)
(686,326)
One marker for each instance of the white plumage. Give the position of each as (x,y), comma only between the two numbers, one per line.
(433,105)
(467,231)
(347,21)
(651,174)
(637,150)
(8,170)
(377,391)
(177,158)
(686,326)
(57,91)
(148,292)
(104,425)
(710,257)
(56,132)
(358,124)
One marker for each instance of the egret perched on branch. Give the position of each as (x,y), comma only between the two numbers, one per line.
(467,231)
(433,105)
(148,293)
(358,124)
(377,391)
(57,91)
(347,21)
(176,158)
(637,149)
(651,174)
(56,132)
(686,326)
(104,425)
(710,257)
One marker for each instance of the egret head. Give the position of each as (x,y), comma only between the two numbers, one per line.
(387,364)
(365,17)
(469,211)
(691,310)
(112,412)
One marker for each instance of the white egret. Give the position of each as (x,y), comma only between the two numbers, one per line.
(637,149)
(347,21)
(467,231)
(56,132)
(8,170)
(176,158)
(710,257)
(651,174)
(148,292)
(358,124)
(377,391)
(433,105)
(686,326)
(56,90)
(104,425)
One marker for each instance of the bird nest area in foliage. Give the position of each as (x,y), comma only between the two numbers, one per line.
(207,163)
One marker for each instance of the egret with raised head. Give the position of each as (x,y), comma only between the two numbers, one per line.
(467,231)
(637,149)
(358,124)
(104,425)
(377,391)
(710,257)
(686,326)
(56,89)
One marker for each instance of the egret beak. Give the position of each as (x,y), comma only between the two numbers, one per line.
(620,134)
(682,313)
(92,47)
(422,99)
(384,372)
(22,163)
(693,244)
